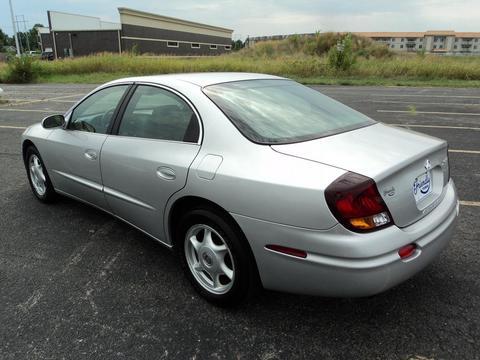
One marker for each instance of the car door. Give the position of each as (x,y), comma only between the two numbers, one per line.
(74,151)
(148,155)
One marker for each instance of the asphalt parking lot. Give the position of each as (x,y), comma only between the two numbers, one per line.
(76,283)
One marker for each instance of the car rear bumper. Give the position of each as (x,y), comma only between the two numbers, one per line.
(341,263)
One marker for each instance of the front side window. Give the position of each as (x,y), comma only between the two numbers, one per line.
(282,111)
(96,112)
(155,113)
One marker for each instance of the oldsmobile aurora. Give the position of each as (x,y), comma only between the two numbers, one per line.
(254,180)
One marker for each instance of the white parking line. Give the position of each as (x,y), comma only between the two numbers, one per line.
(35,110)
(12,127)
(417,103)
(342,92)
(469,203)
(428,112)
(437,126)
(45,100)
(464,151)
(429,95)
(52,100)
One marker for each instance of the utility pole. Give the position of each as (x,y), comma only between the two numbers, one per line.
(25,30)
(14,28)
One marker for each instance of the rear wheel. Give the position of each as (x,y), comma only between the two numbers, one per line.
(216,257)
(38,177)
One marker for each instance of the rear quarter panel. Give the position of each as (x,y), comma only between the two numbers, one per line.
(254,180)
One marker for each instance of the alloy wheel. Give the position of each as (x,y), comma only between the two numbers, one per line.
(39,180)
(209,259)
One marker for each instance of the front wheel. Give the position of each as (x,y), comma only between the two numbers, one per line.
(38,177)
(216,257)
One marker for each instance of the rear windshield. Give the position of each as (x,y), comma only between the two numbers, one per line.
(282,111)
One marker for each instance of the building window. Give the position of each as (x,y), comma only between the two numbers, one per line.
(401,46)
(456,40)
(455,47)
(419,46)
(213,47)
(440,47)
(402,39)
(434,46)
(172,43)
(228,47)
(476,40)
(393,46)
(475,47)
(195,46)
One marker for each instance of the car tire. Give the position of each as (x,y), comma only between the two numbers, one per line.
(38,177)
(225,253)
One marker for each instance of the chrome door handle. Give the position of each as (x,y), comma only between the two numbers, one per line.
(91,154)
(166,173)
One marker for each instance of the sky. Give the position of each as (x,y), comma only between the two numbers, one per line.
(268,17)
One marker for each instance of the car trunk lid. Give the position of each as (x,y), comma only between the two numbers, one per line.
(410,169)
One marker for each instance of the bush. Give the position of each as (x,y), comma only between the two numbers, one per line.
(421,53)
(322,43)
(376,51)
(134,50)
(341,56)
(21,70)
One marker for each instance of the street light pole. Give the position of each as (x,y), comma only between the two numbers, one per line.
(14,28)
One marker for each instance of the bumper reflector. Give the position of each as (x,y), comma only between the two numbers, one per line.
(407,251)
(287,250)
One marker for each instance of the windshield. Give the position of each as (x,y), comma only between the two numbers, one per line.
(282,111)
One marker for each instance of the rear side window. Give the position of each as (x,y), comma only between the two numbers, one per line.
(282,111)
(95,113)
(156,113)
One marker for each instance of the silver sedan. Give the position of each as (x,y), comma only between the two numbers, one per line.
(255,181)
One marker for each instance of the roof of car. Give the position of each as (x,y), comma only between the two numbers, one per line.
(201,79)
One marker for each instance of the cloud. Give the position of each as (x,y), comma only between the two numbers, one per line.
(269,17)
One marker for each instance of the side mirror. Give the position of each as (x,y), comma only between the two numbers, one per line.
(53,121)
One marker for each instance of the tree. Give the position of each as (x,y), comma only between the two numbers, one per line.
(29,39)
(5,40)
(237,45)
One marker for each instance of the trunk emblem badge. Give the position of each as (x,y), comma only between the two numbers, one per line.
(428,165)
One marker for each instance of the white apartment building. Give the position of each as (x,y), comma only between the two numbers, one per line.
(442,42)
(446,42)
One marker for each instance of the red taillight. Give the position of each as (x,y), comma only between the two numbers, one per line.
(356,203)
(287,250)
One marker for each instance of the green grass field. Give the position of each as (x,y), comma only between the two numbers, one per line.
(280,58)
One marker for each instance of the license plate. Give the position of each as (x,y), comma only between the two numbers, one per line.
(422,186)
